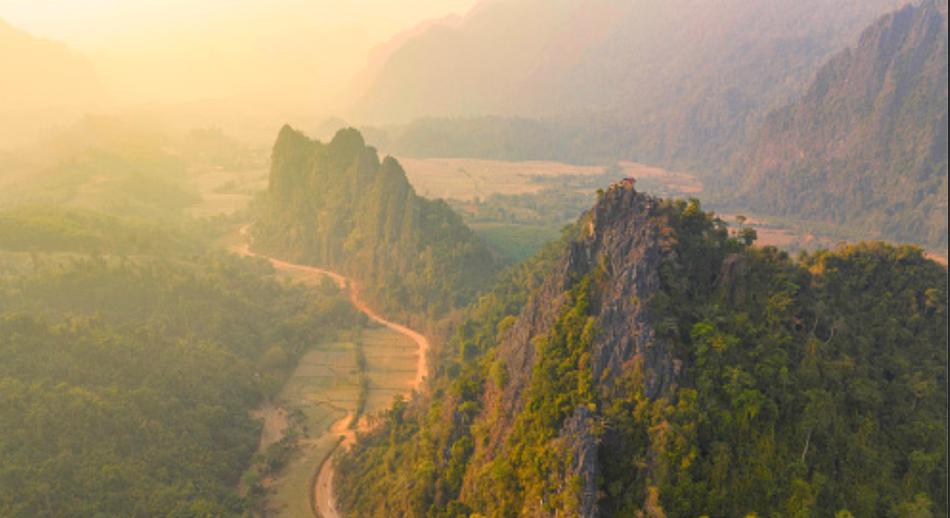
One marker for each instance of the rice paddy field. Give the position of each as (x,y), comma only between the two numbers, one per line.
(325,388)
(391,361)
(467,178)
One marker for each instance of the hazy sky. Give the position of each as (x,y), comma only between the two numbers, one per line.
(289,51)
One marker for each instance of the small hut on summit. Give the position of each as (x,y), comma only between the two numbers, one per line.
(628,182)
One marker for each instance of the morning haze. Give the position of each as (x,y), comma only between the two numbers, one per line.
(204,59)
(473,258)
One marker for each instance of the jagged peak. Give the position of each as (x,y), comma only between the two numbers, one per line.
(348,138)
(616,204)
(289,138)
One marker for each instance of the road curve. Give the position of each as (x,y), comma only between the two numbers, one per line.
(324,502)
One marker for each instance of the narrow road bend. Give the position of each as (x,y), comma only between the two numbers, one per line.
(324,502)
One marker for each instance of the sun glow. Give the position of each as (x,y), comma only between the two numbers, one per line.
(294,51)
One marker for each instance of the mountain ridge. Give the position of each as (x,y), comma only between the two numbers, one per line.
(338,205)
(673,82)
(654,363)
(866,145)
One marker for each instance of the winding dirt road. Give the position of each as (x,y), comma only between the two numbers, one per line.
(324,503)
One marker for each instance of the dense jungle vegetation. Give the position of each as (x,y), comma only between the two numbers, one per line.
(814,386)
(133,353)
(546,341)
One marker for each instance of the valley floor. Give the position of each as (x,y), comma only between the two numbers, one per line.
(325,388)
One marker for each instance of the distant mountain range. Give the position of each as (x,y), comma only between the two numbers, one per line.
(866,146)
(40,73)
(42,81)
(661,81)
(829,112)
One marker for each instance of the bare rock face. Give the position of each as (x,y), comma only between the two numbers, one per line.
(620,248)
(625,250)
(579,439)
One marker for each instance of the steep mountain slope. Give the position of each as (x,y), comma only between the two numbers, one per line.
(652,365)
(336,205)
(670,80)
(866,146)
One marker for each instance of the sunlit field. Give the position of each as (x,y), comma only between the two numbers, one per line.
(324,388)
(465,179)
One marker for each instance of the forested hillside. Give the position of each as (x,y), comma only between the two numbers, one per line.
(337,205)
(653,363)
(866,147)
(132,355)
(660,82)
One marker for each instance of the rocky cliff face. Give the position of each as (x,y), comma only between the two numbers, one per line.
(338,205)
(618,251)
(866,146)
(619,243)
(652,364)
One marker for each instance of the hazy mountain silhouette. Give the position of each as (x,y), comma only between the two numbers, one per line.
(866,146)
(672,80)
